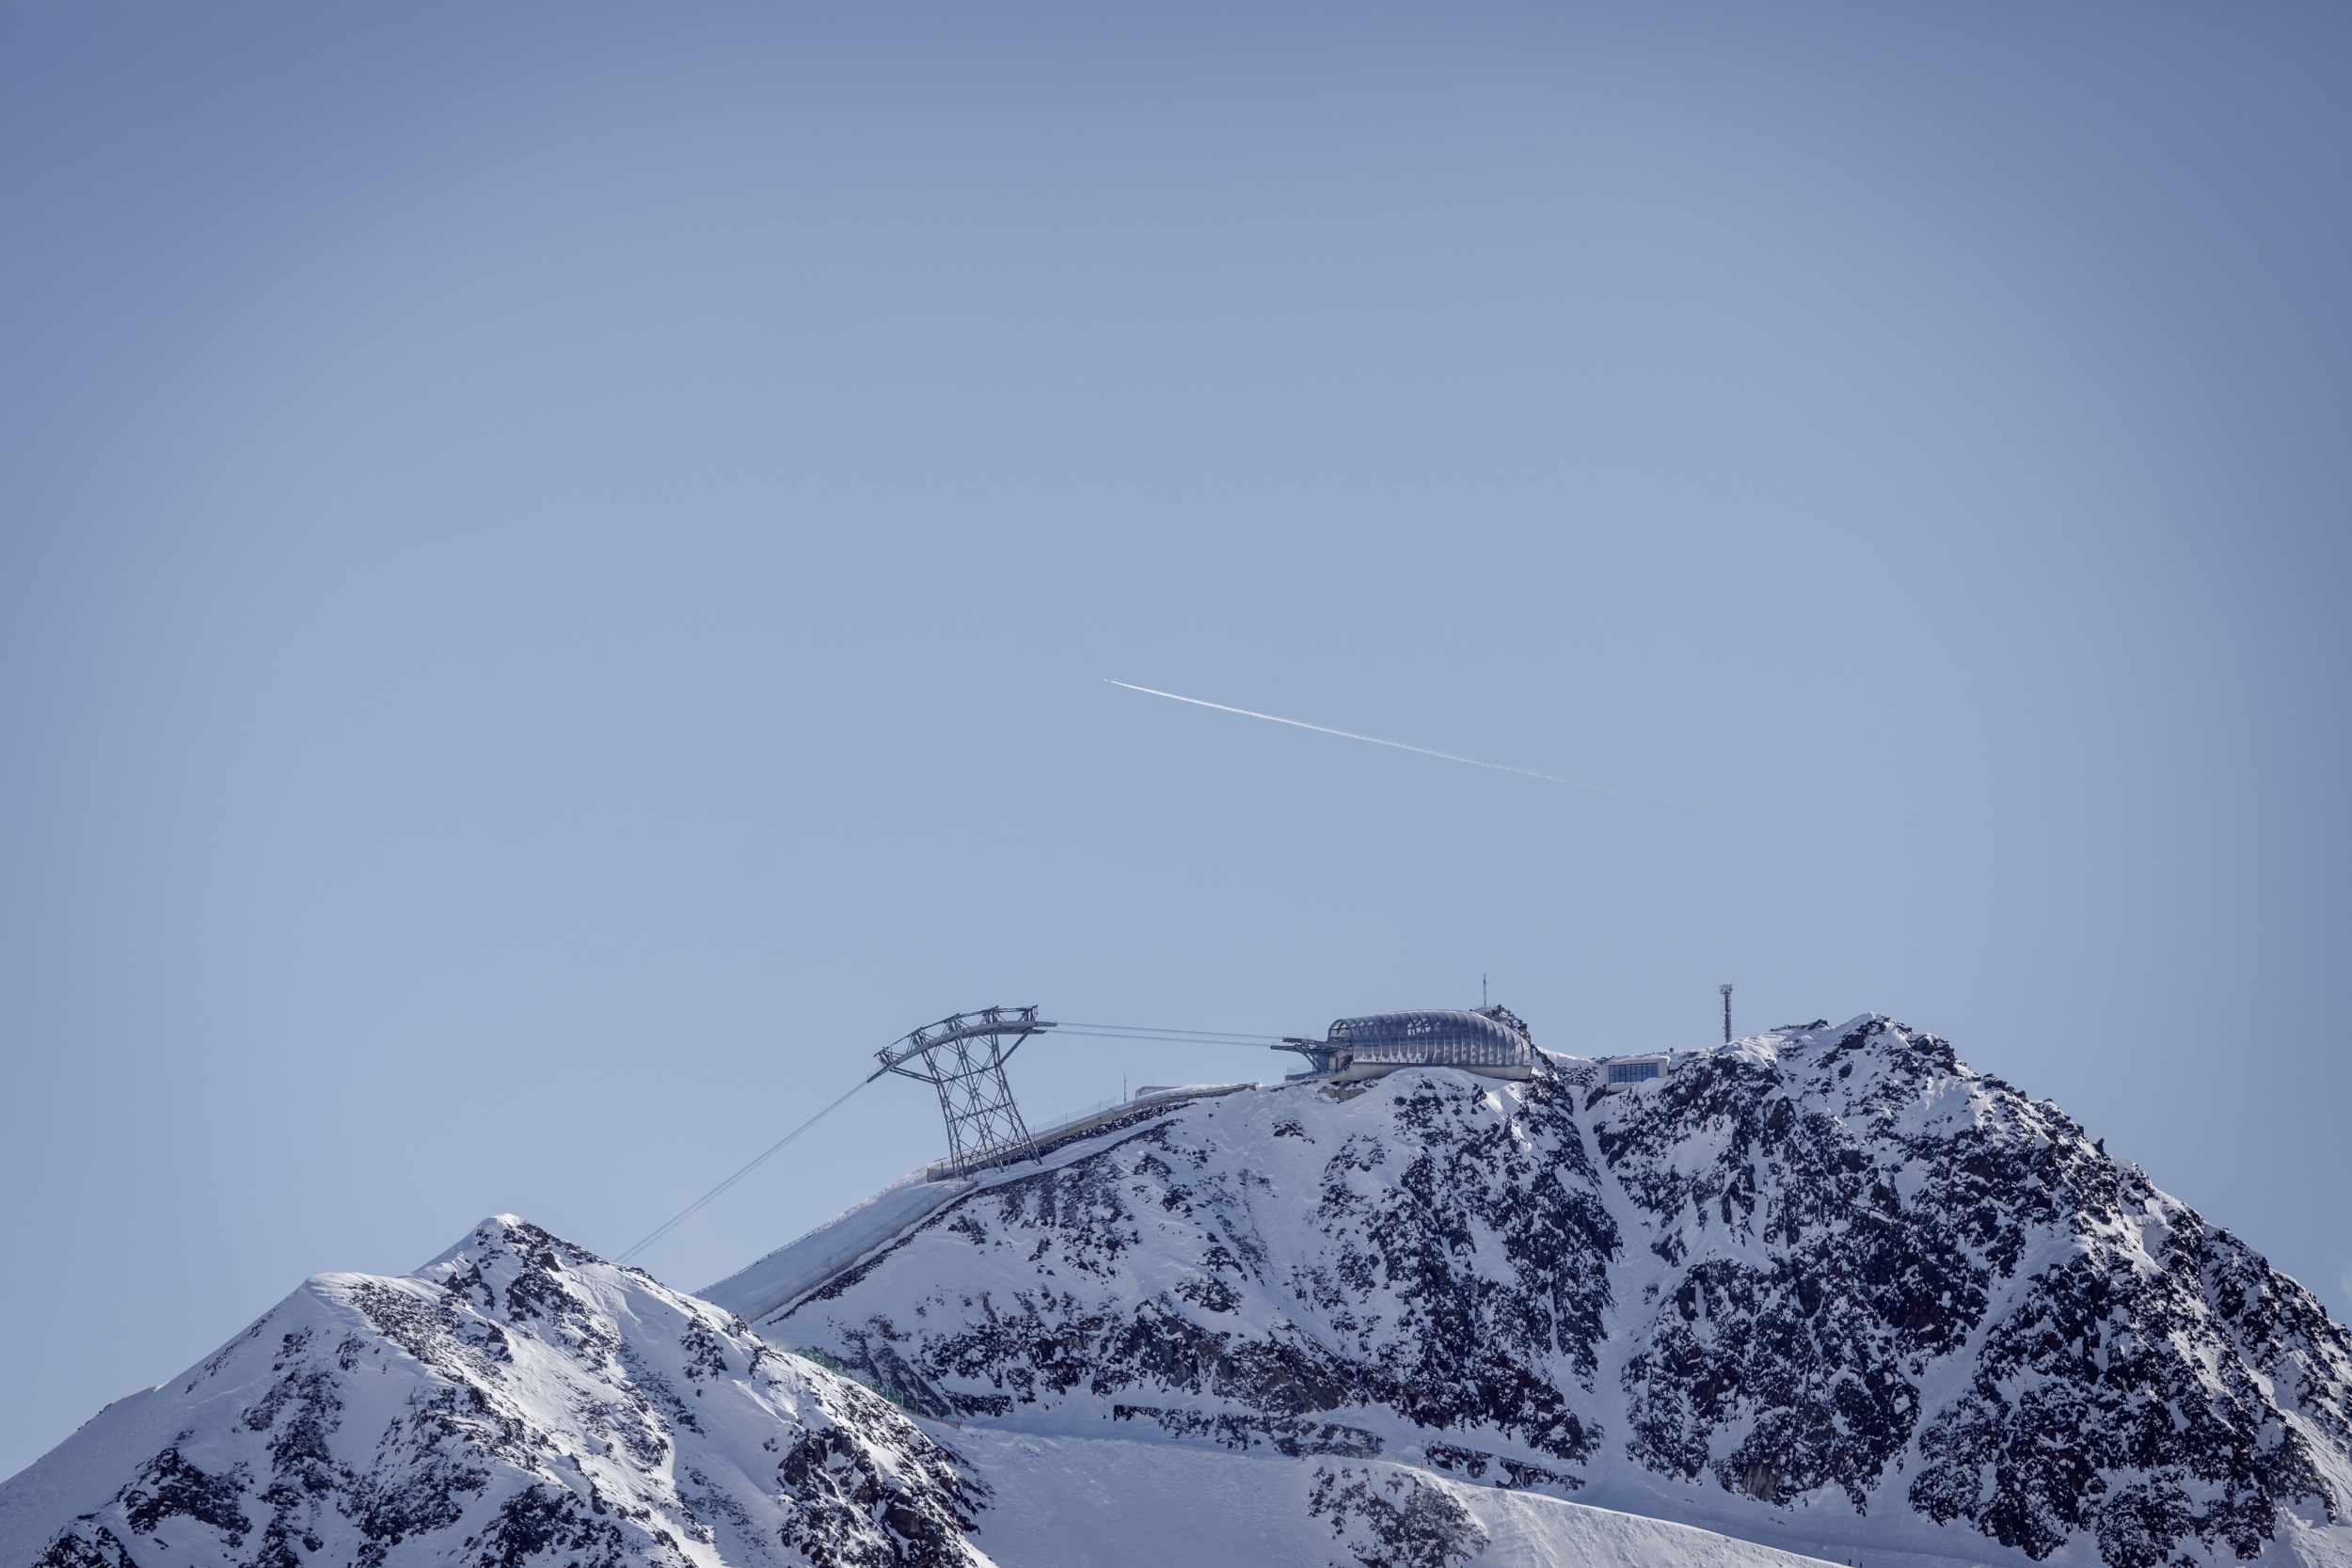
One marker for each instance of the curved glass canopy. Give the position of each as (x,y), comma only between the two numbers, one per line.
(1435,1039)
(1495,1038)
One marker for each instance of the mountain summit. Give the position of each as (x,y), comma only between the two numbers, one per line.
(1824,1287)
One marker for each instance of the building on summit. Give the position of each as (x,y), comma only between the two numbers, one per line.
(1493,1042)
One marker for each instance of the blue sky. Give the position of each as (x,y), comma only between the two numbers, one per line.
(559,567)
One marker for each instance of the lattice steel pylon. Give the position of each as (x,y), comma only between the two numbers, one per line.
(963,1058)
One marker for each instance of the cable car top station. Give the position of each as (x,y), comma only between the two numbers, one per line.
(1493,1042)
(963,1058)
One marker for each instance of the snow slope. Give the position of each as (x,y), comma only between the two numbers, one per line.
(799,1266)
(1095,1502)
(1826,1288)
(796,1268)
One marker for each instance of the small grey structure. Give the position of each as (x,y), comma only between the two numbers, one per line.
(1494,1043)
(1625,1072)
(963,1058)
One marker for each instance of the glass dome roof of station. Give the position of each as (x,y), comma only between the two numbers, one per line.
(1437,1038)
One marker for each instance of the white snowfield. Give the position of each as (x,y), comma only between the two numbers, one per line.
(1107,1502)
(795,1269)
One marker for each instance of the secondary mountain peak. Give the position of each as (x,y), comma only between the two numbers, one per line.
(518,1399)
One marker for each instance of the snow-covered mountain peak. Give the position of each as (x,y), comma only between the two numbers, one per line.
(516,1398)
(500,1235)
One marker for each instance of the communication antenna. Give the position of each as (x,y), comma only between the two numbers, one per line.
(1725,989)
(963,1058)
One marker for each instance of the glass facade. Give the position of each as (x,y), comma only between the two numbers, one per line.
(1433,1039)
(1631,1073)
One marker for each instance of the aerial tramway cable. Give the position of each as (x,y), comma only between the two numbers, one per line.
(670,1224)
(1147,1034)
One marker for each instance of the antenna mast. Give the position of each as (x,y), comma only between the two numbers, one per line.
(1725,989)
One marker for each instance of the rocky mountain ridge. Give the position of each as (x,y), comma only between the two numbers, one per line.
(1827,1279)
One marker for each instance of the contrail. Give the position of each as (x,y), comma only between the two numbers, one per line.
(1449,756)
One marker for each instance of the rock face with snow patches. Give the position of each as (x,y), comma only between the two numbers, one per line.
(517,1401)
(1829,1281)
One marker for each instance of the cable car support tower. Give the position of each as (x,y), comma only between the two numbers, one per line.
(963,1058)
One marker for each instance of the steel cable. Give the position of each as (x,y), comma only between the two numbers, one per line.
(667,1225)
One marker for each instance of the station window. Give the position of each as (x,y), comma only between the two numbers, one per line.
(1631,1073)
